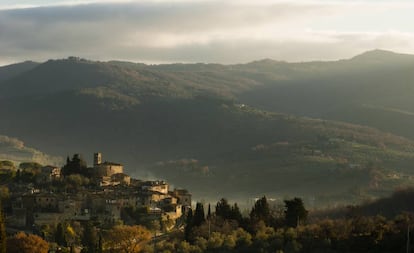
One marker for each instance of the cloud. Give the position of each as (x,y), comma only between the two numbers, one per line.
(195,31)
(317,46)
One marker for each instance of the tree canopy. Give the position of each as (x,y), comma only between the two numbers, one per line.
(295,212)
(127,239)
(261,210)
(26,243)
(76,165)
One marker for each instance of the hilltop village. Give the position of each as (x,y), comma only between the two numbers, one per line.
(37,198)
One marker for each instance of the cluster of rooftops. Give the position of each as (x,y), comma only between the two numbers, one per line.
(51,199)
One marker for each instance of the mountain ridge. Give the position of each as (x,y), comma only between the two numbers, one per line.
(248,124)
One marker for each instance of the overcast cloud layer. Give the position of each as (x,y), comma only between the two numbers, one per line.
(204,31)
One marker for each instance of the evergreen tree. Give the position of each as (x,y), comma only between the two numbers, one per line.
(235,213)
(209,211)
(89,238)
(199,217)
(75,166)
(261,211)
(3,237)
(188,225)
(100,247)
(223,209)
(60,237)
(295,212)
(18,175)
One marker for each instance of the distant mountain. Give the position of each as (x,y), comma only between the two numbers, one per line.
(228,130)
(374,89)
(383,57)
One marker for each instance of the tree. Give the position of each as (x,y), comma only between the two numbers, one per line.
(209,212)
(199,217)
(7,165)
(60,237)
(89,238)
(188,224)
(30,166)
(3,238)
(295,212)
(100,246)
(76,181)
(155,225)
(261,211)
(235,213)
(223,209)
(128,239)
(75,166)
(23,243)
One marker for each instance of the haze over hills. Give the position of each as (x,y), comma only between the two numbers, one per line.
(227,130)
(373,89)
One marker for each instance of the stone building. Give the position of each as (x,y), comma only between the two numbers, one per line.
(105,169)
(156,186)
(48,174)
(183,196)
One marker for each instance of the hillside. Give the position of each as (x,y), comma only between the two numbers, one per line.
(12,149)
(374,89)
(188,124)
(399,202)
(10,71)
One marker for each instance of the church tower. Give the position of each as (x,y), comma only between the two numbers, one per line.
(97,159)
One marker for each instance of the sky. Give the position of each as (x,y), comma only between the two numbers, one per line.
(210,31)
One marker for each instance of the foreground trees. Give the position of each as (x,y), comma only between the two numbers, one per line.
(126,239)
(290,231)
(263,231)
(90,240)
(358,234)
(3,238)
(24,243)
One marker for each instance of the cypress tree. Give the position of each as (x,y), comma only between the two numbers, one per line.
(261,211)
(295,212)
(235,213)
(199,217)
(60,237)
(3,236)
(223,209)
(209,211)
(89,239)
(188,225)
(100,248)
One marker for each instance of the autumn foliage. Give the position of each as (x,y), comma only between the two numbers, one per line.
(26,243)
(127,239)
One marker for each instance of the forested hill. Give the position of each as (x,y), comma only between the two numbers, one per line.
(10,71)
(198,126)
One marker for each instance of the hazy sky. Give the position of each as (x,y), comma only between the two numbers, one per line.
(229,31)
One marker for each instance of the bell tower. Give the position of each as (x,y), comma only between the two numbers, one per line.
(97,159)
